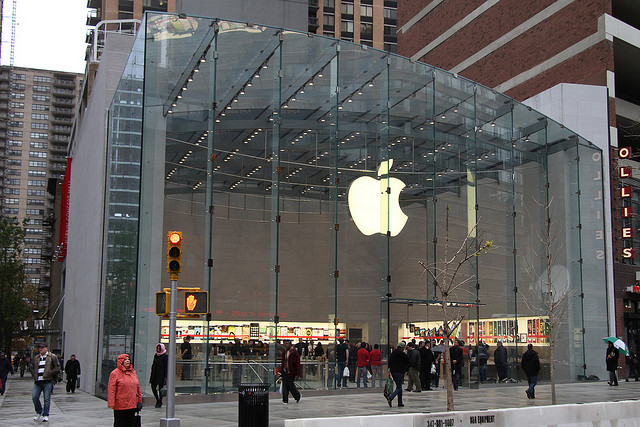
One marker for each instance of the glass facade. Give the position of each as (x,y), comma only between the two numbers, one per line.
(270,150)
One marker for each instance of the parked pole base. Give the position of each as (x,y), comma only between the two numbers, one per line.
(169,422)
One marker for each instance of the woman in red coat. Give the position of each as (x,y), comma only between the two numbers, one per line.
(125,397)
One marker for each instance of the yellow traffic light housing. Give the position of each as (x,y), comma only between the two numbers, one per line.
(174,252)
(162,303)
(196,302)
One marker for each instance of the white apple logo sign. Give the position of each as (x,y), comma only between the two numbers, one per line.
(372,208)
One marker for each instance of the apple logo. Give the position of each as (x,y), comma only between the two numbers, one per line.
(372,208)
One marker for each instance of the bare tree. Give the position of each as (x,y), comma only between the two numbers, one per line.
(555,291)
(447,277)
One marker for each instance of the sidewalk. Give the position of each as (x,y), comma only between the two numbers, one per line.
(82,409)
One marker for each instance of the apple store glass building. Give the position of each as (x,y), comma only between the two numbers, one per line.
(317,184)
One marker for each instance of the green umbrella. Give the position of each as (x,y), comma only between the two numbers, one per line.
(617,343)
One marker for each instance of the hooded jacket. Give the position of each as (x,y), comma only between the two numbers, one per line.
(124,387)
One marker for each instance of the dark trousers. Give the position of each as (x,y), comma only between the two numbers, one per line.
(124,417)
(341,381)
(456,375)
(613,380)
(186,369)
(3,385)
(71,383)
(155,388)
(425,377)
(503,371)
(288,386)
(533,380)
(398,377)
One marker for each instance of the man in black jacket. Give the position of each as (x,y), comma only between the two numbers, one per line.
(500,360)
(398,365)
(456,355)
(72,369)
(531,366)
(414,368)
(426,362)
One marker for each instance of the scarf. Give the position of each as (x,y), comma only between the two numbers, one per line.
(162,349)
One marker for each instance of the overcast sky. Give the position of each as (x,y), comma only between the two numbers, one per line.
(50,34)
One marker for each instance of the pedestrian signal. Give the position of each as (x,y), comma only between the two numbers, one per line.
(196,302)
(174,252)
(162,303)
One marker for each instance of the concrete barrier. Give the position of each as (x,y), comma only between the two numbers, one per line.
(600,414)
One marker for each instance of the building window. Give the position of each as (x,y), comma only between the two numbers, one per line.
(41,98)
(39,135)
(31,240)
(18,86)
(14,152)
(11,211)
(17,95)
(346,26)
(14,143)
(390,47)
(12,181)
(390,13)
(8,201)
(42,79)
(34,212)
(41,88)
(15,124)
(35,202)
(39,116)
(17,114)
(329,3)
(19,76)
(347,8)
(37,173)
(41,107)
(366,11)
(38,154)
(37,164)
(39,125)
(12,191)
(33,251)
(31,260)
(16,104)
(328,20)
(35,192)
(37,183)
(16,133)
(14,172)
(34,221)
(366,31)
(36,144)
(13,162)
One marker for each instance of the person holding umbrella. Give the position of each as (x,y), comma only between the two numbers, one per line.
(612,363)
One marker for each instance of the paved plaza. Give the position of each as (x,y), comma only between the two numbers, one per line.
(83,409)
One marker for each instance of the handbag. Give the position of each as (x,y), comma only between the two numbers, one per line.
(163,391)
(389,387)
(346,372)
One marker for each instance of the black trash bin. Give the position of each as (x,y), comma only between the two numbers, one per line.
(253,405)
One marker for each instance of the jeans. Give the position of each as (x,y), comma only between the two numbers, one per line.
(38,388)
(482,371)
(398,377)
(533,380)
(341,366)
(376,371)
(362,372)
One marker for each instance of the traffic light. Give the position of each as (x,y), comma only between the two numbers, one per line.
(174,252)
(196,302)
(162,303)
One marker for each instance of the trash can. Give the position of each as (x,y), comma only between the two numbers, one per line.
(253,405)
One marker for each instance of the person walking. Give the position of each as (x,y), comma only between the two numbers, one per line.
(375,357)
(289,370)
(414,368)
(5,368)
(186,355)
(398,365)
(159,369)
(342,356)
(363,362)
(45,371)
(426,362)
(72,369)
(500,360)
(123,393)
(531,366)
(612,363)
(632,365)
(456,355)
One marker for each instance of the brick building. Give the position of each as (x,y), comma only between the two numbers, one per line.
(539,53)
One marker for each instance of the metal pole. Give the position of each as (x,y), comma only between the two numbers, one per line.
(170,420)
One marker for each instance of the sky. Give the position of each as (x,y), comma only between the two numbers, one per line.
(50,34)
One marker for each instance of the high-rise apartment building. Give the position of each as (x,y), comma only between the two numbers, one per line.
(37,109)
(571,60)
(368,22)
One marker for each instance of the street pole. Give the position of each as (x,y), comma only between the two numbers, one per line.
(170,420)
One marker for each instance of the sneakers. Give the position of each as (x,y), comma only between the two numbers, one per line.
(45,419)
(37,417)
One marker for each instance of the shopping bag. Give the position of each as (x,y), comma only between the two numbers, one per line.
(369,376)
(280,389)
(163,391)
(137,420)
(389,387)
(345,373)
(433,369)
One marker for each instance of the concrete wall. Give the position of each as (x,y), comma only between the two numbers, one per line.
(602,414)
(278,13)
(86,213)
